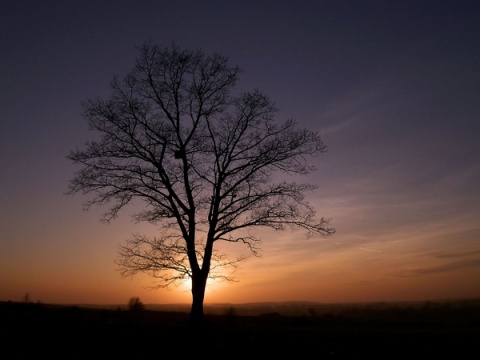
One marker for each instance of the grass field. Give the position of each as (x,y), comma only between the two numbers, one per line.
(431,331)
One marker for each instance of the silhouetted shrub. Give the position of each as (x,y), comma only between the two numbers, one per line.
(134,304)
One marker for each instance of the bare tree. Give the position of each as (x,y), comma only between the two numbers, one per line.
(207,164)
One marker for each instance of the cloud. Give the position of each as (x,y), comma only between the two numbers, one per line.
(442,268)
(370,249)
(457,255)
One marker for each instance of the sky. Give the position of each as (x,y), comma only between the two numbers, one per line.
(393,87)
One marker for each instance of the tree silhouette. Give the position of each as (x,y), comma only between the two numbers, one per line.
(207,165)
(135,304)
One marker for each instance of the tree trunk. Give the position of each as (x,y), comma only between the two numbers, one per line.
(199,282)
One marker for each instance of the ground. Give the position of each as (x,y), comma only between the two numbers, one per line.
(38,331)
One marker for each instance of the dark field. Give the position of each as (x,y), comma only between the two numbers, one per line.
(422,331)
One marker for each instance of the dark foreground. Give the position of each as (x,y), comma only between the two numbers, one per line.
(36,331)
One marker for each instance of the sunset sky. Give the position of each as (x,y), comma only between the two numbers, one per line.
(393,87)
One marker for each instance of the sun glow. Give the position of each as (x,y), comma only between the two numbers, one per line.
(213,284)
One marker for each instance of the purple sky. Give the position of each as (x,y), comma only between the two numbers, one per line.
(392,86)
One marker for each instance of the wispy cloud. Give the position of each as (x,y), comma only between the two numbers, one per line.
(443,268)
